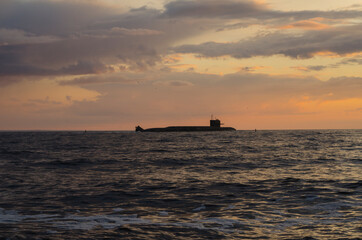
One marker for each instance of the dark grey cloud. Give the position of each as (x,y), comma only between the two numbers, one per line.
(302,15)
(348,61)
(316,67)
(46,100)
(311,68)
(82,67)
(39,38)
(83,81)
(233,9)
(51,17)
(342,40)
(48,37)
(105,79)
(16,37)
(11,67)
(213,8)
(351,61)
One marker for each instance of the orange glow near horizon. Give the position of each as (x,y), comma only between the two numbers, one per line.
(111,65)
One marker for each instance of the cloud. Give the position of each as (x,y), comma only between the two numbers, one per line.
(51,17)
(348,61)
(41,38)
(306,24)
(6,81)
(176,83)
(54,58)
(47,38)
(351,61)
(81,67)
(45,101)
(253,68)
(343,87)
(213,8)
(109,78)
(117,32)
(305,15)
(310,68)
(246,9)
(15,37)
(240,84)
(136,32)
(342,40)
(316,67)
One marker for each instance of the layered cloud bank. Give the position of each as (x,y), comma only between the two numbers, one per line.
(119,64)
(340,40)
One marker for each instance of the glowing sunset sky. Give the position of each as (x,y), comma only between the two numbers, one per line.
(114,64)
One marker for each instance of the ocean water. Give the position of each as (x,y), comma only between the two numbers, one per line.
(216,185)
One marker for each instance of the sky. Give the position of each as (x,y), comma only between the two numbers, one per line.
(115,64)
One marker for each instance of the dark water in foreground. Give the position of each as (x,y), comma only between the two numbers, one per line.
(221,185)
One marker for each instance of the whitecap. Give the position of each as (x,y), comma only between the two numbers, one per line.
(163,213)
(10,216)
(118,209)
(311,198)
(224,222)
(202,207)
(105,221)
(229,207)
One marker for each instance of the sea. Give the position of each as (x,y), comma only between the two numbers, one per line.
(291,184)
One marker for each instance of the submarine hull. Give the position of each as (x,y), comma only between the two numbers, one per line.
(215,126)
(189,129)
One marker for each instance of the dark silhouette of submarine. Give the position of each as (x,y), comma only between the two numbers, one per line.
(215,125)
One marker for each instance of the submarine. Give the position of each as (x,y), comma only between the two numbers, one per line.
(215,125)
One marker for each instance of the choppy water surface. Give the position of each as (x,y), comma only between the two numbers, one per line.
(218,185)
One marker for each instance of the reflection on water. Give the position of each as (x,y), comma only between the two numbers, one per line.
(265,184)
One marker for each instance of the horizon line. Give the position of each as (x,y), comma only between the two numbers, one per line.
(118,130)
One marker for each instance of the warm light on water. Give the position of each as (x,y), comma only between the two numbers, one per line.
(222,185)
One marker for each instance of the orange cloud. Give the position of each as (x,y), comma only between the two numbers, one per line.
(306,24)
(183,67)
(252,69)
(304,69)
(355,54)
(330,54)
(327,54)
(173,58)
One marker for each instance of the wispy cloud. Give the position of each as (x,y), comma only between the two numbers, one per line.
(16,37)
(213,8)
(306,24)
(342,40)
(310,68)
(357,60)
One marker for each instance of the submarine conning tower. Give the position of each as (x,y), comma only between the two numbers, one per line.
(215,123)
(139,129)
